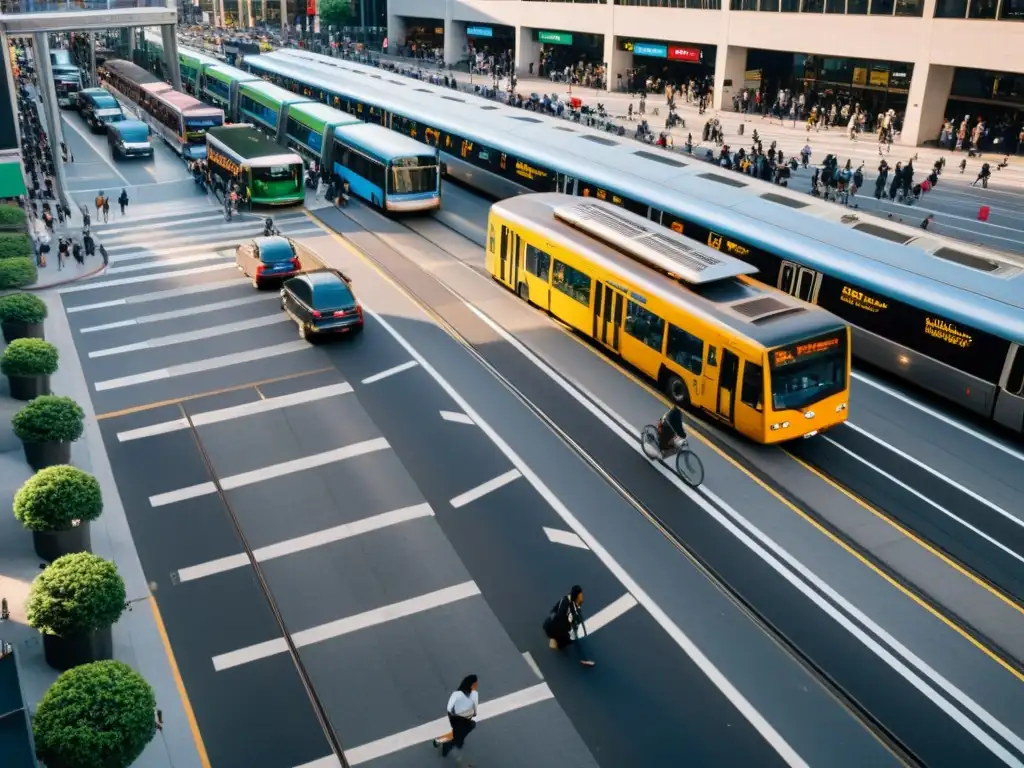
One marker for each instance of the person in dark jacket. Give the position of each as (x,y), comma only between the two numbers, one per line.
(897,180)
(564,625)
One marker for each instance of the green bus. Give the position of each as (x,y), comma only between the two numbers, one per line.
(220,84)
(191,65)
(266,105)
(242,153)
(309,129)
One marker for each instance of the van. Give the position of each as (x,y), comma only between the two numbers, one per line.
(129,138)
(99,108)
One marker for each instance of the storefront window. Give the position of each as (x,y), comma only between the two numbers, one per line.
(857,6)
(770,5)
(982,9)
(881,7)
(790,6)
(951,9)
(1012,10)
(813,6)
(909,7)
(835,6)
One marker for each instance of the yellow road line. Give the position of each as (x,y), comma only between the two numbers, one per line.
(193,725)
(211,393)
(782,499)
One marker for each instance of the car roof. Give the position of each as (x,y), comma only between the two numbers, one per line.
(323,277)
(272,243)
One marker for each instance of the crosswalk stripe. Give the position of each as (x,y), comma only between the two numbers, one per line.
(87,286)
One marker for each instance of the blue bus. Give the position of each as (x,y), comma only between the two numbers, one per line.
(391,171)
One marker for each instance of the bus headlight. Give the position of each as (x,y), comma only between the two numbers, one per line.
(777,425)
(810,434)
(809,415)
(841,407)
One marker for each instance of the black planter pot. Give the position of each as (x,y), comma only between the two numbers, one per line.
(14,330)
(65,653)
(28,387)
(43,455)
(50,545)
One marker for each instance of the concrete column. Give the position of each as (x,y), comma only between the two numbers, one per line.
(92,58)
(455,41)
(248,10)
(48,90)
(926,103)
(12,89)
(133,42)
(284,17)
(618,62)
(396,32)
(170,45)
(730,64)
(527,52)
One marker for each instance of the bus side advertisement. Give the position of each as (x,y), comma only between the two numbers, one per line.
(219,159)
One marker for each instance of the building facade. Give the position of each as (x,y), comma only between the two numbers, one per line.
(925,59)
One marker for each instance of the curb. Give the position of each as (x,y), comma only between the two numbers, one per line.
(92,273)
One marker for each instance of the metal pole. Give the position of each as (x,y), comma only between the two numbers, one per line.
(284,19)
(362,20)
(48,90)
(92,58)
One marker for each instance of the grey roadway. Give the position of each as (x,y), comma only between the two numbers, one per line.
(498,542)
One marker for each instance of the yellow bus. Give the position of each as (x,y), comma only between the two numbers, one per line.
(754,358)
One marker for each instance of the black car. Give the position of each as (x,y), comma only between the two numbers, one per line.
(322,302)
(268,258)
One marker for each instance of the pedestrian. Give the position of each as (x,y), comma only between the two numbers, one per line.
(62,252)
(122,200)
(103,253)
(60,213)
(99,203)
(88,243)
(927,220)
(106,209)
(76,252)
(564,625)
(462,706)
(86,219)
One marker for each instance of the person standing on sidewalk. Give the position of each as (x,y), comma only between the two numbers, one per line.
(122,200)
(462,706)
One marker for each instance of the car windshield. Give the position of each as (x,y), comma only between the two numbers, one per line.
(277,173)
(275,251)
(411,179)
(805,373)
(102,101)
(333,295)
(134,134)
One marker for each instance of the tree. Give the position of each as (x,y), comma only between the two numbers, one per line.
(336,12)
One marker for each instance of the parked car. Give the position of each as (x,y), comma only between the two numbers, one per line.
(268,258)
(322,302)
(129,138)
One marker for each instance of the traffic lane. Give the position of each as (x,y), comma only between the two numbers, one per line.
(90,166)
(203,622)
(110,288)
(985,556)
(800,707)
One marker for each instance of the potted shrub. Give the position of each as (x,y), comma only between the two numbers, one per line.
(12,217)
(99,715)
(57,504)
(73,603)
(28,365)
(14,244)
(47,427)
(17,272)
(22,316)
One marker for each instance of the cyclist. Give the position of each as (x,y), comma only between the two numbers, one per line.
(671,434)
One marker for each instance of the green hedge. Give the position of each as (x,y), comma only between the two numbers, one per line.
(22,308)
(53,498)
(14,244)
(12,217)
(49,419)
(17,273)
(29,357)
(75,594)
(99,715)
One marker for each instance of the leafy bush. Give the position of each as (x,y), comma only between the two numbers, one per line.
(99,715)
(49,419)
(17,273)
(75,594)
(29,357)
(14,244)
(22,308)
(53,498)
(12,217)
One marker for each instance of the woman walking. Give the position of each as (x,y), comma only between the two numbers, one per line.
(564,625)
(462,706)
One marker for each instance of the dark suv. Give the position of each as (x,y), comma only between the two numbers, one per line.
(322,302)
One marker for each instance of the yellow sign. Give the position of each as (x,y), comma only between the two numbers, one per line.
(677,227)
(792,354)
(947,331)
(226,163)
(715,241)
(527,171)
(860,75)
(879,78)
(736,249)
(862,300)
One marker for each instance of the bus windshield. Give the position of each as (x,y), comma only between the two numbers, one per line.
(195,128)
(808,371)
(271,181)
(410,175)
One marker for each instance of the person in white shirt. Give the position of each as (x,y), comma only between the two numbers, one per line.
(461,709)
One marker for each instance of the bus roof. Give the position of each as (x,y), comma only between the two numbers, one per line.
(313,114)
(196,57)
(247,143)
(133,72)
(385,144)
(718,200)
(268,94)
(228,74)
(763,315)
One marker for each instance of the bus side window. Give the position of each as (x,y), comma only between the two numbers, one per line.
(685,349)
(538,263)
(752,390)
(644,326)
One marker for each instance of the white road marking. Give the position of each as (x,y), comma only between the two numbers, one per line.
(135,251)
(568,538)
(389,372)
(145,278)
(778,558)
(202,309)
(456,418)
(198,366)
(102,155)
(422,734)
(175,262)
(174,293)
(236,411)
(302,543)
(609,613)
(348,625)
(533,665)
(212,332)
(331,761)
(997,444)
(482,490)
(231,482)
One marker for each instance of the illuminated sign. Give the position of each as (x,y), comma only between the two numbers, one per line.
(662,51)
(862,300)
(736,249)
(527,171)
(682,53)
(554,38)
(224,162)
(650,49)
(947,332)
(802,351)
(479,32)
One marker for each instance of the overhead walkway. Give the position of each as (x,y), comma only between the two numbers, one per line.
(21,17)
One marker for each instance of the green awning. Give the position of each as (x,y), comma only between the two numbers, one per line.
(12,180)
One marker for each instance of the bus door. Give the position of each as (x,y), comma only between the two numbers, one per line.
(727,377)
(509,258)
(800,281)
(655,214)
(566,184)
(609,306)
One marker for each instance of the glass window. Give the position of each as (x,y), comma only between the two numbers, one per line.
(753,385)
(951,9)
(813,6)
(1015,381)
(770,5)
(332,295)
(407,181)
(882,7)
(790,6)
(1010,10)
(909,7)
(572,283)
(538,263)
(982,9)
(835,6)
(859,7)
(685,349)
(647,327)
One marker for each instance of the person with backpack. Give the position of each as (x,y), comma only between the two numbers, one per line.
(99,203)
(106,209)
(564,625)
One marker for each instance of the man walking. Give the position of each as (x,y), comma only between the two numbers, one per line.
(122,200)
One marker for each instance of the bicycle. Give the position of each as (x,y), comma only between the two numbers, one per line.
(688,465)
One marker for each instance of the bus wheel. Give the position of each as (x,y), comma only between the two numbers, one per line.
(677,391)
(524,292)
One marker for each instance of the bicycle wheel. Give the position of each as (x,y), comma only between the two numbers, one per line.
(690,468)
(649,442)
